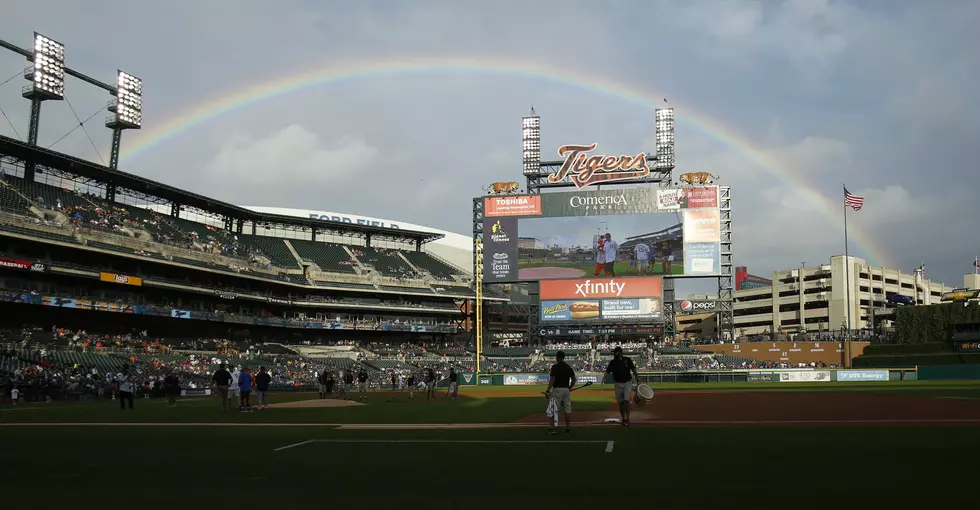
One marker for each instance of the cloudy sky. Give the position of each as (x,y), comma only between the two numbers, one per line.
(418,106)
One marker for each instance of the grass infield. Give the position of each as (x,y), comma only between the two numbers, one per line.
(664,467)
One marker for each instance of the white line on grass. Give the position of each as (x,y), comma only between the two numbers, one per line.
(294,445)
(609,444)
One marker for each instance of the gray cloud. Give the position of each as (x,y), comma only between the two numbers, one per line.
(828,92)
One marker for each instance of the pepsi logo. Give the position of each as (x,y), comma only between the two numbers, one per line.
(698,306)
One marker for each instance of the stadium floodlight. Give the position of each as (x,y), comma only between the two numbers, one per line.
(128,104)
(47,75)
(531,136)
(665,138)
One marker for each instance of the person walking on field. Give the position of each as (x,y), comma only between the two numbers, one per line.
(222,380)
(621,367)
(453,390)
(262,381)
(559,393)
(430,384)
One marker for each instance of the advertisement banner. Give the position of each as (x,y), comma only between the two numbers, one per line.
(15,263)
(38,267)
(636,309)
(195,392)
(467,379)
(687,198)
(499,250)
(599,203)
(811,376)
(600,330)
(702,258)
(525,379)
(121,279)
(696,306)
(180,314)
(602,288)
(582,378)
(702,226)
(526,205)
(862,375)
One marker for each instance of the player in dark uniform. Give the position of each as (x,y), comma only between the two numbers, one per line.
(411,385)
(362,383)
(621,368)
(559,391)
(330,382)
(453,390)
(322,380)
(348,382)
(430,384)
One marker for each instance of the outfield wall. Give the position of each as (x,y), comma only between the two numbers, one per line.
(787,376)
(791,353)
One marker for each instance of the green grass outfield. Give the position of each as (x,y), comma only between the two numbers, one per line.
(829,468)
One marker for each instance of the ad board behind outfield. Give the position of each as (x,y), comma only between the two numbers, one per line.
(602,300)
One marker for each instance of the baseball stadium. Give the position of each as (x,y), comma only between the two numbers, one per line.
(160,347)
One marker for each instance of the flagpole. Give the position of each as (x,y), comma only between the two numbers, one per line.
(847,289)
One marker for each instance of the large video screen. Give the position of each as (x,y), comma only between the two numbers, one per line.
(623,233)
(602,300)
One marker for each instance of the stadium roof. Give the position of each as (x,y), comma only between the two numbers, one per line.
(45,157)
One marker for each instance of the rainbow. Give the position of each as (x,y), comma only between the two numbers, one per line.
(213,108)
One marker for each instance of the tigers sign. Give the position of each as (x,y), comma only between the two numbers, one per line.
(585,170)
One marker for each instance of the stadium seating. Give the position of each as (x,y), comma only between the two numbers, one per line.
(431,265)
(272,247)
(330,257)
(386,261)
(11,199)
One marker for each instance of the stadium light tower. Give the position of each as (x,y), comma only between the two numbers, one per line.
(128,110)
(531,136)
(665,138)
(47,77)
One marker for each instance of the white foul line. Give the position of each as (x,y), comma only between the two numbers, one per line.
(294,445)
(609,444)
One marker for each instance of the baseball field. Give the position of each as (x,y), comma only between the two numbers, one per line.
(559,269)
(749,445)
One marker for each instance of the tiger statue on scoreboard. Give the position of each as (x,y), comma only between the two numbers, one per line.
(698,178)
(502,188)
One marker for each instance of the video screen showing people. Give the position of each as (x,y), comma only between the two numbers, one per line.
(593,246)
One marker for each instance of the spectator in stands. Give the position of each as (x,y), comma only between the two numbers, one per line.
(222,380)
(125,387)
(262,381)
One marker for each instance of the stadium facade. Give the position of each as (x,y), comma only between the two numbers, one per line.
(816,297)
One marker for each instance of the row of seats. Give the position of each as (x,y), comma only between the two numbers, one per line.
(93,212)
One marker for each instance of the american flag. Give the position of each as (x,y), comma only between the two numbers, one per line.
(853,201)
